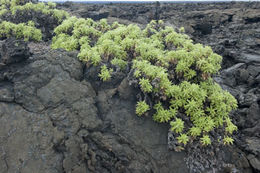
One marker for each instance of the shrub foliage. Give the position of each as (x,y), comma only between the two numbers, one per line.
(164,63)
(27,31)
(11,9)
(170,69)
(26,6)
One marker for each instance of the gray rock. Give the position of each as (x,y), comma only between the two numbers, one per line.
(257,79)
(254,162)
(247,99)
(13,51)
(246,57)
(142,131)
(26,142)
(6,92)
(253,145)
(54,121)
(253,70)
(229,74)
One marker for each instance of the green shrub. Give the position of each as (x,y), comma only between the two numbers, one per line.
(21,30)
(65,41)
(25,6)
(169,68)
(29,31)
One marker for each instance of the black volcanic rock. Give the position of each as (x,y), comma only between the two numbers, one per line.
(56,116)
(52,120)
(13,51)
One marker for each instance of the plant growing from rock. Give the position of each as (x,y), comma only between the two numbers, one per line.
(168,68)
(26,6)
(21,30)
(105,73)
(172,72)
(205,140)
(177,125)
(141,108)
(20,12)
(228,140)
(183,139)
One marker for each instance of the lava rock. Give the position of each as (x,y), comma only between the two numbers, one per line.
(13,51)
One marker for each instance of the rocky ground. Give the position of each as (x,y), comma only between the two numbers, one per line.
(56,117)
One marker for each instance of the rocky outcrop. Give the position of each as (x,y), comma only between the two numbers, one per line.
(232,30)
(56,116)
(53,120)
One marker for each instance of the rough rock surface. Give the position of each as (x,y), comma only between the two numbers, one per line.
(232,30)
(55,116)
(52,120)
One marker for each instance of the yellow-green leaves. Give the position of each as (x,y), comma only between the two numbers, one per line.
(182,30)
(205,140)
(174,73)
(66,26)
(47,9)
(28,31)
(3,11)
(141,108)
(230,128)
(173,91)
(209,124)
(228,140)
(119,62)
(177,125)
(90,55)
(64,41)
(145,85)
(195,131)
(163,115)
(22,30)
(105,73)
(183,139)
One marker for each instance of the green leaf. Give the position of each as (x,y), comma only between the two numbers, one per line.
(205,140)
(183,139)
(145,85)
(105,73)
(177,125)
(141,108)
(228,140)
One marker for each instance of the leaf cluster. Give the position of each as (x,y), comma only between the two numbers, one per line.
(141,108)
(168,66)
(25,6)
(105,73)
(27,31)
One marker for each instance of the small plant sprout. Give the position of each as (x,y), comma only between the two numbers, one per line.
(177,125)
(230,126)
(182,30)
(105,73)
(183,139)
(195,131)
(145,85)
(141,108)
(205,140)
(228,140)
